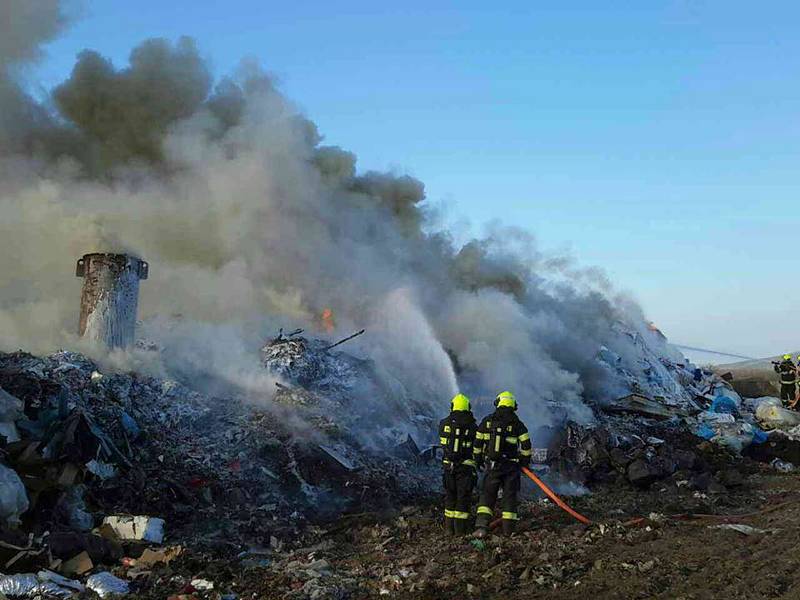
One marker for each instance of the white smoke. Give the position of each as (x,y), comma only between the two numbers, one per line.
(249,224)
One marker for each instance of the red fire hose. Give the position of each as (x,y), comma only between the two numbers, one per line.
(550,494)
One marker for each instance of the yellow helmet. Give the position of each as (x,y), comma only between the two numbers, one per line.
(505,399)
(459,402)
(787,357)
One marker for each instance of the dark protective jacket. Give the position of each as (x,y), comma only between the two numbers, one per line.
(787,371)
(457,437)
(503,438)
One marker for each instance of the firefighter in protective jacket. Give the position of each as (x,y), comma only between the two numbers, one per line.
(504,446)
(457,437)
(788,374)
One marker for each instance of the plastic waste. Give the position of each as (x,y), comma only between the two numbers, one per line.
(10,411)
(715,418)
(724,404)
(705,431)
(735,436)
(9,431)
(60,580)
(759,436)
(101,469)
(202,585)
(105,584)
(770,412)
(782,465)
(739,528)
(21,584)
(13,498)
(45,583)
(722,389)
(74,508)
(130,426)
(10,406)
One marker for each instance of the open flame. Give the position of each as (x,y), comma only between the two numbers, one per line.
(326,319)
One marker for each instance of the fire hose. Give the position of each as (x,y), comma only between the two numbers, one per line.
(551,494)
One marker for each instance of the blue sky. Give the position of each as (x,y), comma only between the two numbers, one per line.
(657,140)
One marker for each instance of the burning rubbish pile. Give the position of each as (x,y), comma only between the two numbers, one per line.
(83,450)
(328,385)
(102,468)
(251,221)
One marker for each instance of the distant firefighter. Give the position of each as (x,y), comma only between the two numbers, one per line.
(788,376)
(457,436)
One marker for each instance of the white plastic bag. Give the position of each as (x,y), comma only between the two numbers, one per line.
(13,497)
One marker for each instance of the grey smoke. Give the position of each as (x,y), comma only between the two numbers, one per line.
(250,223)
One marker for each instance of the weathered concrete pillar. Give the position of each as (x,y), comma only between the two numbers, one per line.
(110,297)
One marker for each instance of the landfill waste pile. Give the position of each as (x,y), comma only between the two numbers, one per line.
(191,466)
(110,478)
(326,387)
(98,467)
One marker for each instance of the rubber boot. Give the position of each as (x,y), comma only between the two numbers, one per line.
(481,526)
(449,526)
(509,527)
(461,527)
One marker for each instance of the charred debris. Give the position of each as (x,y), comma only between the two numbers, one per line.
(108,477)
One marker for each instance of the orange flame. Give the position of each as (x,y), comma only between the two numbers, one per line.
(328,323)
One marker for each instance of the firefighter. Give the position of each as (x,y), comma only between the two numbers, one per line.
(457,437)
(504,446)
(788,374)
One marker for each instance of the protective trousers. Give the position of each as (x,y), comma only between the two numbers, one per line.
(459,481)
(788,392)
(504,476)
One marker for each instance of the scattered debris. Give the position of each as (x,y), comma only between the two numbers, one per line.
(78,565)
(105,584)
(771,413)
(13,498)
(782,465)
(149,529)
(641,405)
(738,527)
(152,557)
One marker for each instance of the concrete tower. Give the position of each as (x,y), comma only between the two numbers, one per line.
(110,297)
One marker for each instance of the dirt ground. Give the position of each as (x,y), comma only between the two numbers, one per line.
(642,544)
